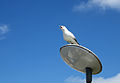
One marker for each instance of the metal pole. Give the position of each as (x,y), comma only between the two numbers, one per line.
(88,75)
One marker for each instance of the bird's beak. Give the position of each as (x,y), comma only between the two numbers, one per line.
(60,27)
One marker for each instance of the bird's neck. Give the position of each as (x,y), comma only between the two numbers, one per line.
(65,30)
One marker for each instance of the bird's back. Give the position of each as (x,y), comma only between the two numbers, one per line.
(68,35)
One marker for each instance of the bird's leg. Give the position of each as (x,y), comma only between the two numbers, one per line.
(71,42)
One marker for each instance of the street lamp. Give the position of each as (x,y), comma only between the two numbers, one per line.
(81,59)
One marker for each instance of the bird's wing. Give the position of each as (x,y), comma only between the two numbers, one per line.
(71,34)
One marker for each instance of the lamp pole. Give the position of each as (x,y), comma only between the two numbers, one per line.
(88,75)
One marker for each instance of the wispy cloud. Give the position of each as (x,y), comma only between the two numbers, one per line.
(101,4)
(114,79)
(3,30)
(74,80)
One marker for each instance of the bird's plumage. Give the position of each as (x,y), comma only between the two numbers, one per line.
(68,36)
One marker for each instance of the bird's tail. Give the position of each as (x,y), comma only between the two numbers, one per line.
(76,42)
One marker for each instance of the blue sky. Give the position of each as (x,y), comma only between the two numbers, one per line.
(30,39)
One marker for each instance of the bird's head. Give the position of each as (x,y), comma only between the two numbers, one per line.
(63,28)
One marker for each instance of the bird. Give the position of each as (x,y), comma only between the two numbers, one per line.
(68,36)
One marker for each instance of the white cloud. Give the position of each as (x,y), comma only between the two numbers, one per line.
(3,30)
(102,4)
(114,79)
(74,80)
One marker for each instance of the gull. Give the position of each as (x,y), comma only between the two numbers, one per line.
(68,36)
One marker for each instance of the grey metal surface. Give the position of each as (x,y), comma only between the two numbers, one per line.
(79,57)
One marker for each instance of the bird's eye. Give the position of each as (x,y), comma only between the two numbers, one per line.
(60,27)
